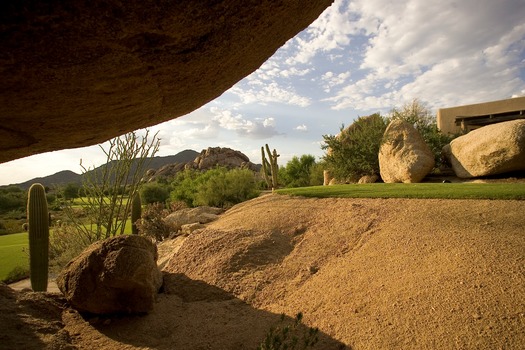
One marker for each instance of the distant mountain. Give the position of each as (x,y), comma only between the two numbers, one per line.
(67,176)
(62,177)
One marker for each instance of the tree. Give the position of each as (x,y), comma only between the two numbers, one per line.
(12,198)
(71,191)
(154,193)
(297,172)
(353,153)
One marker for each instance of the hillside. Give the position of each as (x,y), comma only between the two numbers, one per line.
(61,178)
(370,273)
(67,176)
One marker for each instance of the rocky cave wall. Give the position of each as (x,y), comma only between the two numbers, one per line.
(77,73)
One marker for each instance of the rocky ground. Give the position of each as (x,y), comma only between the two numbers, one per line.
(370,273)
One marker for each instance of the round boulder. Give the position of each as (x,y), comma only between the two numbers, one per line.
(117,275)
(404,156)
(490,150)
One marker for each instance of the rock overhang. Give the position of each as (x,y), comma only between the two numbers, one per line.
(79,73)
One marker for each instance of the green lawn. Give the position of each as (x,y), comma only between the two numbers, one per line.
(14,251)
(416,190)
(12,254)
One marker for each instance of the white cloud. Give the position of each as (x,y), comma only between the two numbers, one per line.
(442,52)
(331,80)
(329,32)
(257,128)
(302,128)
(270,93)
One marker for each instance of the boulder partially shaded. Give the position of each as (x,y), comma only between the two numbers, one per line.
(490,150)
(199,215)
(117,275)
(404,156)
(77,73)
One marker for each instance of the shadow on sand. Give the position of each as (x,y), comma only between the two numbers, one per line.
(26,318)
(192,314)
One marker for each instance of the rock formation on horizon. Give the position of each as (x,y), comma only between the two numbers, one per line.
(208,159)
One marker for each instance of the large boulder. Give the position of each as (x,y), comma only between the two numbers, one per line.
(404,156)
(490,150)
(368,179)
(222,156)
(199,215)
(77,73)
(209,158)
(117,275)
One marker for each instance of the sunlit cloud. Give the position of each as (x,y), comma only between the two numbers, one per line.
(302,128)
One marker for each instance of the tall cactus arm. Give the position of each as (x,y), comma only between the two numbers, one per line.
(38,227)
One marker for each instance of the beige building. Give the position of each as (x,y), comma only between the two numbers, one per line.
(461,119)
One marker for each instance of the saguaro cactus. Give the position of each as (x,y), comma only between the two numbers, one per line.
(270,166)
(38,220)
(136,213)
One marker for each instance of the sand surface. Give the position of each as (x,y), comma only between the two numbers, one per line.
(369,273)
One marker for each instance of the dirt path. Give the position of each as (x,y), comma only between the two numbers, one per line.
(370,273)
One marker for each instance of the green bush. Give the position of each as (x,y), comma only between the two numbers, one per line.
(71,191)
(316,174)
(354,152)
(12,198)
(218,187)
(301,172)
(185,186)
(18,273)
(224,188)
(154,192)
(9,226)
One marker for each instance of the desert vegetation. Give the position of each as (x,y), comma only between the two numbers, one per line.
(353,152)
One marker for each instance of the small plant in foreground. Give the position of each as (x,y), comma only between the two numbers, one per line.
(18,273)
(151,223)
(66,243)
(289,337)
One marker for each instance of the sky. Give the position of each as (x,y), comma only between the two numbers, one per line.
(358,58)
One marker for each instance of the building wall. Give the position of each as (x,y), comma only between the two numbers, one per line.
(446,117)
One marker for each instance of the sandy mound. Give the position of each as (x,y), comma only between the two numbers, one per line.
(370,273)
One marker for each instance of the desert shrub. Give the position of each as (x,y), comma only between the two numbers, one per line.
(9,226)
(354,152)
(290,336)
(18,273)
(106,188)
(218,187)
(71,190)
(151,223)
(224,188)
(419,115)
(154,192)
(297,172)
(185,186)
(66,242)
(177,205)
(12,198)
(316,173)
